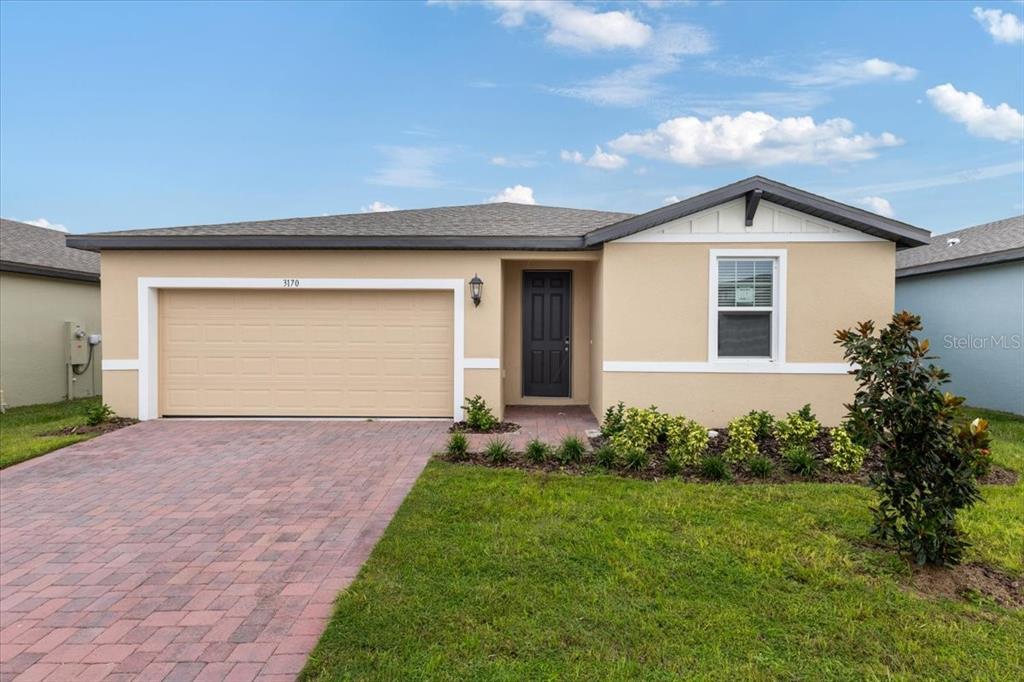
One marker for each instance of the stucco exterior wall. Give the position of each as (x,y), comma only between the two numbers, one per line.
(655,308)
(483,324)
(32,349)
(974,319)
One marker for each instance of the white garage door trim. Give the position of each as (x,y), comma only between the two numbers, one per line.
(149,317)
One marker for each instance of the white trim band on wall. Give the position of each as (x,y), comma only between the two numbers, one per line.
(727,367)
(481,363)
(120,365)
(149,314)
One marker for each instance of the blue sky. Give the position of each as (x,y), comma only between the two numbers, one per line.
(115,116)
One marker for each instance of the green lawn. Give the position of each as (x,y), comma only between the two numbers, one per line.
(20,428)
(504,575)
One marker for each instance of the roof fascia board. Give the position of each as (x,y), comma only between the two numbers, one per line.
(200,242)
(993,258)
(44,271)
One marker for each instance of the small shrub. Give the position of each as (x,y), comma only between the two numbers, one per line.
(760,466)
(800,460)
(686,439)
(457,447)
(742,442)
(763,423)
(930,462)
(571,450)
(478,415)
(641,428)
(605,456)
(675,462)
(798,428)
(498,451)
(846,455)
(634,458)
(975,437)
(715,468)
(98,414)
(614,420)
(537,451)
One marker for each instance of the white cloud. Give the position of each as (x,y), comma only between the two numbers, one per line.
(1005,27)
(409,167)
(378,207)
(43,222)
(599,159)
(528,161)
(673,199)
(577,27)
(1001,123)
(519,194)
(754,138)
(850,72)
(637,84)
(878,205)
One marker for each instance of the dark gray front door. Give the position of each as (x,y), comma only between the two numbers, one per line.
(547,330)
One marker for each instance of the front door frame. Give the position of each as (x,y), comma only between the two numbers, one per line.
(525,343)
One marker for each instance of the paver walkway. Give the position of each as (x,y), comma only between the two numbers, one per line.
(179,550)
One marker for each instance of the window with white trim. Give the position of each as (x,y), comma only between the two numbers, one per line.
(746,300)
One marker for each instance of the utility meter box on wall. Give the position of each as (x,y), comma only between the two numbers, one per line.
(76,343)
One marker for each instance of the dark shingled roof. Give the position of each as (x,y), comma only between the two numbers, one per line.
(995,242)
(41,251)
(475,220)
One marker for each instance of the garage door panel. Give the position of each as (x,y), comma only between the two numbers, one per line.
(344,353)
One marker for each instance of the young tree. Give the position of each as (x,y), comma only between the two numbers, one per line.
(930,464)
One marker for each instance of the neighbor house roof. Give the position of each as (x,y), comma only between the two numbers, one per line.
(41,251)
(996,242)
(486,226)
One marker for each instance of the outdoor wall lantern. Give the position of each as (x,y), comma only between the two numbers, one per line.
(476,285)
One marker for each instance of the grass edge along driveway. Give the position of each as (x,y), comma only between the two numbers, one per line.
(21,428)
(505,575)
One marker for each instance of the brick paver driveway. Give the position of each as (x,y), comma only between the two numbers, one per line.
(193,549)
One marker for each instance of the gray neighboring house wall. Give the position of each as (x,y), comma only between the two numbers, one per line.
(968,288)
(43,283)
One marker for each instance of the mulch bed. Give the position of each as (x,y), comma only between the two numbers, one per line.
(105,427)
(502,427)
(769,447)
(969,581)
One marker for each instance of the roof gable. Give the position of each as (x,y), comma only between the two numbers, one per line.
(758,188)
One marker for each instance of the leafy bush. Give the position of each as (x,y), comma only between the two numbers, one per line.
(634,458)
(975,436)
(798,428)
(760,466)
(715,468)
(800,460)
(537,451)
(98,414)
(686,439)
(930,463)
(606,456)
(846,455)
(675,462)
(763,423)
(571,450)
(742,442)
(457,447)
(478,415)
(613,421)
(498,451)
(641,428)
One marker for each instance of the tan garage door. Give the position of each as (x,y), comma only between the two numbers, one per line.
(295,353)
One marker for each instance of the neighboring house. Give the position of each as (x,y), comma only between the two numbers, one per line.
(709,307)
(44,284)
(968,288)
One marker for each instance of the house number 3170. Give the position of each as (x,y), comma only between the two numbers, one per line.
(290,283)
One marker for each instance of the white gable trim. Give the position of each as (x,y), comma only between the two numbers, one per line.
(726,223)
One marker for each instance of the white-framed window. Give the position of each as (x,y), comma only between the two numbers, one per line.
(746,310)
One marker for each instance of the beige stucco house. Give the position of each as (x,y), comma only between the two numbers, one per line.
(44,285)
(709,307)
